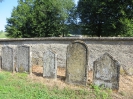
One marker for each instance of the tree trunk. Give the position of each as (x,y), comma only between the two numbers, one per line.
(99,31)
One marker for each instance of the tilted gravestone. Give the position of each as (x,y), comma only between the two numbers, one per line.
(23,59)
(50,65)
(7,59)
(106,72)
(77,63)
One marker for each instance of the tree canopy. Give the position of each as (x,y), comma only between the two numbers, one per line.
(38,18)
(106,17)
(46,18)
(1,0)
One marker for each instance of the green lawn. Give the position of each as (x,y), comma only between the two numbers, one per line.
(20,86)
(3,35)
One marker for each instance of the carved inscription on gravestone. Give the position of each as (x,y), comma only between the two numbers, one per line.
(77,63)
(7,58)
(50,65)
(106,72)
(23,59)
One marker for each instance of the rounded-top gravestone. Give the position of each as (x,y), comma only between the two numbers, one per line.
(77,63)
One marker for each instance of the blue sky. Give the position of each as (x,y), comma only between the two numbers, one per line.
(5,11)
(6,8)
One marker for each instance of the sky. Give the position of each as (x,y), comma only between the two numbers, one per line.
(6,7)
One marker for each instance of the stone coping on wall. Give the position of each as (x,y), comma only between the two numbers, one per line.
(69,39)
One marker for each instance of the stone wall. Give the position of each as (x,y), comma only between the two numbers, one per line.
(120,48)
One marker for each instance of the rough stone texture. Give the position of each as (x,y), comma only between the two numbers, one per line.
(77,63)
(120,48)
(23,59)
(125,70)
(106,72)
(7,58)
(0,62)
(50,65)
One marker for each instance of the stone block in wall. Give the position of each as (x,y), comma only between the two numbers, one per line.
(60,50)
(77,63)
(106,71)
(37,61)
(128,70)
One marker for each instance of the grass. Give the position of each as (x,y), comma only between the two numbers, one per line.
(3,35)
(20,86)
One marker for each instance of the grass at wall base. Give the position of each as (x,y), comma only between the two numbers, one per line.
(22,86)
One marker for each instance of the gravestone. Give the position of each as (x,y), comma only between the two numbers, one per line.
(0,62)
(23,59)
(106,72)
(7,59)
(50,65)
(77,63)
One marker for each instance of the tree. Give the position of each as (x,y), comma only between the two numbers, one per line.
(106,17)
(19,24)
(38,18)
(73,21)
(1,0)
(1,31)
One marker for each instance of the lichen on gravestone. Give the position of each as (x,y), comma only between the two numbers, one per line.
(50,64)
(77,63)
(23,59)
(106,71)
(7,58)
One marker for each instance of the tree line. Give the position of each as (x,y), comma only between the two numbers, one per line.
(48,18)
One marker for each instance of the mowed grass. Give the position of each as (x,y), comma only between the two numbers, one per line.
(20,86)
(3,35)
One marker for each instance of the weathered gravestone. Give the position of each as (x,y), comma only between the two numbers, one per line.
(0,62)
(7,59)
(106,72)
(50,65)
(23,59)
(77,63)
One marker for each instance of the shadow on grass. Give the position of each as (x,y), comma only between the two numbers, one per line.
(62,78)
